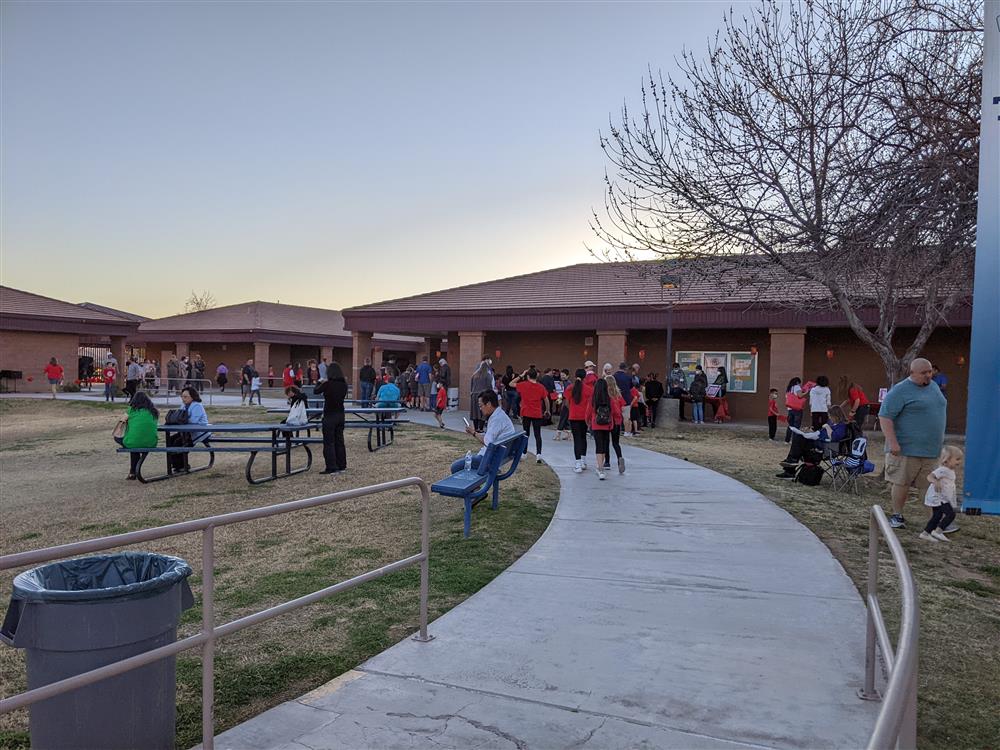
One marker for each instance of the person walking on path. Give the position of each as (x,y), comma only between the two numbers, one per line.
(424,373)
(140,429)
(819,401)
(859,405)
(54,373)
(600,422)
(498,428)
(440,404)
(617,402)
(246,379)
(109,374)
(579,396)
(133,374)
(366,377)
(697,389)
(678,384)
(482,381)
(912,417)
(534,407)
(795,403)
(334,391)
(255,383)
(940,496)
(624,382)
(222,376)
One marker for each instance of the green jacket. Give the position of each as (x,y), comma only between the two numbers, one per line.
(141,431)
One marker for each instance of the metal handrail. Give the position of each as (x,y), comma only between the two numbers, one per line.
(209,632)
(896,724)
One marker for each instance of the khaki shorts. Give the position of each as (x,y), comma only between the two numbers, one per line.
(909,471)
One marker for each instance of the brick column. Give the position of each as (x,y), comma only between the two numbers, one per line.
(471,345)
(118,349)
(261,357)
(788,347)
(361,344)
(611,347)
(182,350)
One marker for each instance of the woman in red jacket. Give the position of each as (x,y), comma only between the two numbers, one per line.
(600,421)
(579,396)
(534,404)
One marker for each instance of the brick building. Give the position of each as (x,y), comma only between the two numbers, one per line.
(613,312)
(269,333)
(34,328)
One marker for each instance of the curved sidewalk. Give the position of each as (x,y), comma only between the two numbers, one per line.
(668,607)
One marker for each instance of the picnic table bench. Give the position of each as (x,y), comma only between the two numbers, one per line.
(380,421)
(277,439)
(498,463)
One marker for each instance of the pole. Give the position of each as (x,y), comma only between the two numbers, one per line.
(670,338)
(982,470)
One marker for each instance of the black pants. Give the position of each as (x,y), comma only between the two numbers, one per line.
(133,458)
(334,450)
(941,518)
(131,387)
(819,418)
(616,436)
(579,429)
(772,426)
(678,393)
(794,420)
(601,440)
(654,406)
(861,415)
(801,448)
(536,423)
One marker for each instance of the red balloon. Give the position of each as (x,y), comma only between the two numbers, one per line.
(30,378)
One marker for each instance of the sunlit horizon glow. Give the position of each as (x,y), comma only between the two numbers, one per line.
(322,154)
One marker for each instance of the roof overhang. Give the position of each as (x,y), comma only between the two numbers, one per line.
(250,336)
(81,326)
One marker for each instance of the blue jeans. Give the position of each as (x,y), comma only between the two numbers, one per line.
(698,411)
(459,465)
(794,420)
(109,391)
(366,391)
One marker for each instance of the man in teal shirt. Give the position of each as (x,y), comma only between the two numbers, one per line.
(912,416)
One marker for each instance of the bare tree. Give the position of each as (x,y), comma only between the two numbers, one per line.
(835,141)
(198,302)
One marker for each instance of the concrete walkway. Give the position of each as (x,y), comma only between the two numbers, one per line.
(668,607)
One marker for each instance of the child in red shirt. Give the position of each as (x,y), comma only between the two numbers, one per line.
(109,374)
(441,404)
(772,414)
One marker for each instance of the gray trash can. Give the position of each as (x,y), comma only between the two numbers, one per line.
(77,615)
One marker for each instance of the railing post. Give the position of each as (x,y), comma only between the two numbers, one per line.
(907,737)
(208,630)
(868,692)
(425,550)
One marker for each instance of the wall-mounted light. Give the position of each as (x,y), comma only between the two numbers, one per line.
(642,355)
(961,360)
(753,350)
(829,353)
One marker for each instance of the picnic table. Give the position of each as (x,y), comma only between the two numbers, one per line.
(274,438)
(380,421)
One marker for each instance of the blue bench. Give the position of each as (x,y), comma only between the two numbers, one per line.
(499,462)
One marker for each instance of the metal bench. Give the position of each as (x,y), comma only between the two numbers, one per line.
(498,463)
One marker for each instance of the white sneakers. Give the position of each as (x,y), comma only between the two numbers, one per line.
(935,536)
(538,460)
(601,474)
(578,466)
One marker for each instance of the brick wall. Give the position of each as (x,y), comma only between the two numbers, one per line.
(30,352)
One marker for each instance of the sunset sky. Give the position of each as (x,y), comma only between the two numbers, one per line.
(328,154)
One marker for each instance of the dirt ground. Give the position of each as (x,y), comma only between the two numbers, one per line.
(62,482)
(958,582)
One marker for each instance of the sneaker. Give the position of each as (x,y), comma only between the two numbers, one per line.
(939,535)
(621,465)
(897,521)
(783,475)
(789,464)
(538,460)
(927,537)
(627,434)
(601,474)
(578,467)
(583,463)
(952,528)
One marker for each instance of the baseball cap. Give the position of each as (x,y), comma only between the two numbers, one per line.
(588,363)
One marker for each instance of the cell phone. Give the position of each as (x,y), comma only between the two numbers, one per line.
(467,422)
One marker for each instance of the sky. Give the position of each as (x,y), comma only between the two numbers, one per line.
(325,154)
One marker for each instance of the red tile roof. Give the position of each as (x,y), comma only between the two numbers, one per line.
(15,302)
(620,284)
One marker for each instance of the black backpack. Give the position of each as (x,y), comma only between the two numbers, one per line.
(177,416)
(809,474)
(602,415)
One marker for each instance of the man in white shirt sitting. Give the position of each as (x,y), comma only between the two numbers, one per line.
(498,428)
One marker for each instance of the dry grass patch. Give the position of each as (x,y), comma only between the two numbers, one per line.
(62,482)
(958,583)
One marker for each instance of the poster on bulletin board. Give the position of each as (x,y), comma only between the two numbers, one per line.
(742,372)
(712,361)
(688,361)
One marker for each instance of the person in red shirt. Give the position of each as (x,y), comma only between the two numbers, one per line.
(288,376)
(441,404)
(860,406)
(534,406)
(109,373)
(601,422)
(772,414)
(579,396)
(54,372)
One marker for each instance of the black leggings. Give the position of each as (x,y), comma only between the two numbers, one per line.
(535,422)
(579,429)
(601,438)
(334,450)
(616,435)
(942,517)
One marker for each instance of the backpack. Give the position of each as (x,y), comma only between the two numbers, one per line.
(177,416)
(602,415)
(809,474)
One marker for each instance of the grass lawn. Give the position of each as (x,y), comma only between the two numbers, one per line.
(958,583)
(62,482)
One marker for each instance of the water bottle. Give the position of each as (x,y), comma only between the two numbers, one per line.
(468,460)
